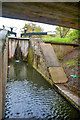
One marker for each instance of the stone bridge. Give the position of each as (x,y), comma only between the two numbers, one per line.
(65,14)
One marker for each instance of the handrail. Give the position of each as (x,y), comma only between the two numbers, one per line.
(33,33)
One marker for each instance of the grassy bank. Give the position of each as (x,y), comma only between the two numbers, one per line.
(67,40)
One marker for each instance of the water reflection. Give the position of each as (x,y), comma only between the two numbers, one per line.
(28,95)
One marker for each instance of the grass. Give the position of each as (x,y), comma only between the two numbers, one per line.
(67,40)
(71,63)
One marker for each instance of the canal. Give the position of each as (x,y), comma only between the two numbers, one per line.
(28,95)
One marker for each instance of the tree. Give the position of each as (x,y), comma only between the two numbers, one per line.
(62,31)
(33,28)
(74,35)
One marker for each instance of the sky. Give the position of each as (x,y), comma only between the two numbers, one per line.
(19,24)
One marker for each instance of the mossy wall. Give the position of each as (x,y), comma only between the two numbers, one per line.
(37,60)
(3,70)
(43,58)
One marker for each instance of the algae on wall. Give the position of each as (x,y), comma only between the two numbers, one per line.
(43,58)
(37,60)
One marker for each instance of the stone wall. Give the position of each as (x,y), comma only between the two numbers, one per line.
(44,60)
(3,69)
(36,58)
(62,50)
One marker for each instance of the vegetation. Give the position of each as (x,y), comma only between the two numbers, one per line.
(74,35)
(62,31)
(62,34)
(71,63)
(71,36)
(67,40)
(33,28)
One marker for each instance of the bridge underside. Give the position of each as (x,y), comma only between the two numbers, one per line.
(56,13)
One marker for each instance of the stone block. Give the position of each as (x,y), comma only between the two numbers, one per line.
(49,55)
(58,75)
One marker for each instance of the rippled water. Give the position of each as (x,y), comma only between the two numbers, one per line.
(28,95)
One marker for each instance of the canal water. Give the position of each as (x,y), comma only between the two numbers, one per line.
(28,95)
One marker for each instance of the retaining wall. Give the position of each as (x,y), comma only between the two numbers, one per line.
(61,49)
(3,69)
(44,60)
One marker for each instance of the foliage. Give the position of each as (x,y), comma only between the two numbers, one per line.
(71,37)
(48,36)
(71,63)
(62,31)
(74,35)
(60,58)
(62,34)
(67,40)
(9,34)
(33,28)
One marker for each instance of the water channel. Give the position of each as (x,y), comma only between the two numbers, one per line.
(29,95)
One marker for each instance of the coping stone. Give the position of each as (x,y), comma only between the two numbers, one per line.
(58,75)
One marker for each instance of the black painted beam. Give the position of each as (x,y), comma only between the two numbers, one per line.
(34,33)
